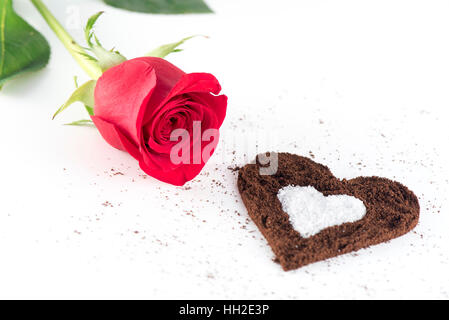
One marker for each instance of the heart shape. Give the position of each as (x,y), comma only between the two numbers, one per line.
(391,210)
(310,211)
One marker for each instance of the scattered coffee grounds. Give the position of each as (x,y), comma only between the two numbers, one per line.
(391,210)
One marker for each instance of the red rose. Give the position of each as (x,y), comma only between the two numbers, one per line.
(140,103)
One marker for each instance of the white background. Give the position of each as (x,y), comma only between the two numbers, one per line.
(363,85)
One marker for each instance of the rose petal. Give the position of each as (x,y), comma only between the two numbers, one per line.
(216,103)
(122,94)
(177,177)
(196,82)
(115,138)
(189,83)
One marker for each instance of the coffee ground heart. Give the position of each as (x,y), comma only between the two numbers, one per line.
(391,210)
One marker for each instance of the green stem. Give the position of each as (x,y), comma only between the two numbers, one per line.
(77,52)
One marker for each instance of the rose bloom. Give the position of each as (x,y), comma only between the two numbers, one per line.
(141,102)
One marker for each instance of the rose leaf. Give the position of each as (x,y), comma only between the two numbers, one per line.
(162,6)
(22,48)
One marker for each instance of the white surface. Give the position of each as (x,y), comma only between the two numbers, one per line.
(363,85)
(311,212)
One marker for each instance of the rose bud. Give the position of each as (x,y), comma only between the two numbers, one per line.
(166,119)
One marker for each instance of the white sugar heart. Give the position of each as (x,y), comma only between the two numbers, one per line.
(310,211)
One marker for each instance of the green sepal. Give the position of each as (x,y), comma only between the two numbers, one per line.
(105,58)
(81,123)
(166,49)
(84,94)
(88,30)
